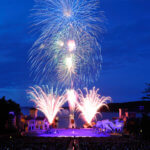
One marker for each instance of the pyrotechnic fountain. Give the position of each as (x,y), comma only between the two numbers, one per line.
(67,53)
(91,103)
(49,103)
(72,100)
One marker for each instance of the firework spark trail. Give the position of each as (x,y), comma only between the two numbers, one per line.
(59,22)
(91,103)
(50,104)
(86,60)
(53,16)
(86,57)
(72,98)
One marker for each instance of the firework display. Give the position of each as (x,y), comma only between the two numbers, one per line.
(68,46)
(67,53)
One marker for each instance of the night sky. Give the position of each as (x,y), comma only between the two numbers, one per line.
(125,49)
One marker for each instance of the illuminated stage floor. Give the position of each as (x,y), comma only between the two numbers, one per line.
(73,133)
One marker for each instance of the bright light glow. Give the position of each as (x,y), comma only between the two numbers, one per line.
(72,98)
(69,63)
(61,43)
(50,104)
(71,45)
(67,13)
(91,103)
(67,69)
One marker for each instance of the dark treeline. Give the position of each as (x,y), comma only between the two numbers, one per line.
(136,106)
(7,109)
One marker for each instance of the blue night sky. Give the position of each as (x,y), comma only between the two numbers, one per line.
(125,49)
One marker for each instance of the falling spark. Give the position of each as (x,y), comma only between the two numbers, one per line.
(42,46)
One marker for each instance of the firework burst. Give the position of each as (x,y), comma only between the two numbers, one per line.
(91,103)
(67,28)
(49,104)
(54,16)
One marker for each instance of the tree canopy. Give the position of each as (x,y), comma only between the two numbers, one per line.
(7,106)
(146,92)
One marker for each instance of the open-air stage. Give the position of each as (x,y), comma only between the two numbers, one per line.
(70,133)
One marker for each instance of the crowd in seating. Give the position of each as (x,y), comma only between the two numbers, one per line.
(108,143)
(112,143)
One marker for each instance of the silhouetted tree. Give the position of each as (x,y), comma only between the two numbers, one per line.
(5,108)
(147,92)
